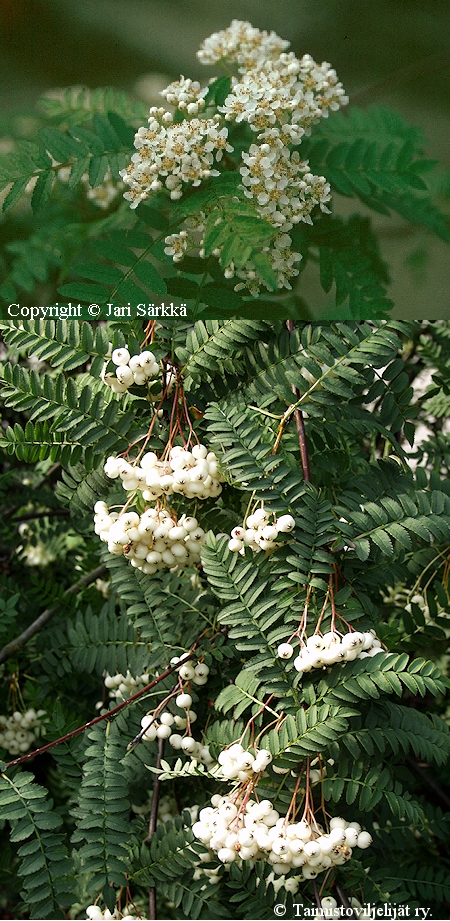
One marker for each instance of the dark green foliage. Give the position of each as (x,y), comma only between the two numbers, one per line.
(378,157)
(103,824)
(112,643)
(45,866)
(368,527)
(94,151)
(64,344)
(95,426)
(167,861)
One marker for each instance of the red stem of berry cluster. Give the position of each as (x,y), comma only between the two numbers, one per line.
(293,804)
(149,333)
(252,719)
(334,612)
(300,631)
(308,810)
(179,414)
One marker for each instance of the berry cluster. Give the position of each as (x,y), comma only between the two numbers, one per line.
(151,541)
(167,809)
(131,369)
(258,533)
(239,764)
(321,650)
(193,474)
(197,674)
(160,724)
(36,554)
(235,828)
(123,686)
(19,731)
(95,913)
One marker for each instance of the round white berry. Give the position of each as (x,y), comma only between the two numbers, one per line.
(120,356)
(184,701)
(364,840)
(286,523)
(285,650)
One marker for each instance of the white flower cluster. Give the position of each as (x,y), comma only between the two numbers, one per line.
(282,184)
(258,533)
(290,92)
(256,831)
(185,94)
(151,541)
(123,686)
(193,474)
(241,43)
(173,155)
(161,725)
(131,369)
(280,97)
(321,650)
(19,731)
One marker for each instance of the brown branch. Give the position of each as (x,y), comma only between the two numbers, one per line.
(11,648)
(298,415)
(152,824)
(138,739)
(47,513)
(316,895)
(98,719)
(349,913)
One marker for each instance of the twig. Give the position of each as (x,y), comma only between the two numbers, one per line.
(152,824)
(298,415)
(349,913)
(316,895)
(98,719)
(11,648)
(46,513)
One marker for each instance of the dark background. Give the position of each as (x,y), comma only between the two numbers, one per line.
(389,52)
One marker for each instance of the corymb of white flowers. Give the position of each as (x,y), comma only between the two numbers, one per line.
(279,97)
